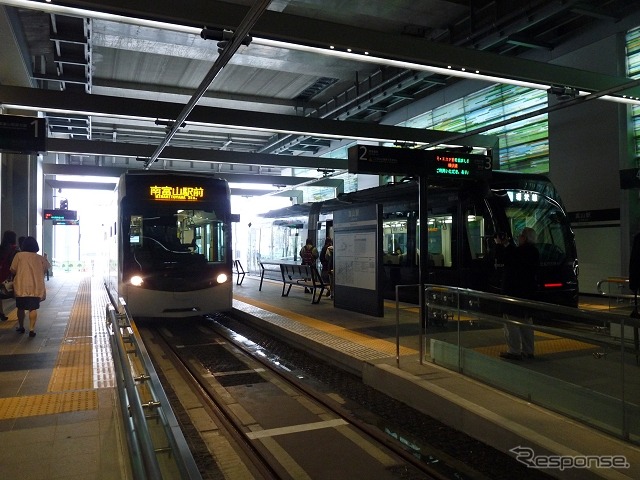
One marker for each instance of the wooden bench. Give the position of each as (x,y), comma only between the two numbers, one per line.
(306,276)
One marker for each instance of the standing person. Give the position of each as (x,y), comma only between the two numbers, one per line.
(521,266)
(8,249)
(324,261)
(308,255)
(330,269)
(46,257)
(28,269)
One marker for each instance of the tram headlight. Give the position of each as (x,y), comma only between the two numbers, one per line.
(221,278)
(136,280)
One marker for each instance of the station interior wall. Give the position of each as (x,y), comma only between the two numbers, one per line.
(588,145)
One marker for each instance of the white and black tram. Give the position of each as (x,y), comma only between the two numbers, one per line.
(170,250)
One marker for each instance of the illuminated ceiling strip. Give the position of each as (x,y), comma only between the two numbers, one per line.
(358,57)
(365,58)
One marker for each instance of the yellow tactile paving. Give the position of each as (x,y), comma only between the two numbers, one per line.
(545,344)
(48,404)
(74,365)
(383,346)
(85,360)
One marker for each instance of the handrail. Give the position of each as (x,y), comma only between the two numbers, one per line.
(616,280)
(486,306)
(596,319)
(177,460)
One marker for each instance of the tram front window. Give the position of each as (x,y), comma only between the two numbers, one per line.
(179,232)
(530,209)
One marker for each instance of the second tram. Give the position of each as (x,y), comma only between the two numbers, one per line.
(462,219)
(170,250)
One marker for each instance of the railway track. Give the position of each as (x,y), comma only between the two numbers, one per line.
(256,408)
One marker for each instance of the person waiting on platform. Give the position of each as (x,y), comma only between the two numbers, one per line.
(28,284)
(325,259)
(308,256)
(8,249)
(47,273)
(520,280)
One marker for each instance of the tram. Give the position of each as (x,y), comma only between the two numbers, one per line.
(462,219)
(170,246)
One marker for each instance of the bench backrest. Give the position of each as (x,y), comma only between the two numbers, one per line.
(300,272)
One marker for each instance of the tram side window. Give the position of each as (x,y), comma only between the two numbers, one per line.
(135,230)
(440,240)
(394,241)
(475,234)
(213,240)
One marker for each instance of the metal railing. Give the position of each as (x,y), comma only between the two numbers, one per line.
(157,447)
(618,292)
(585,373)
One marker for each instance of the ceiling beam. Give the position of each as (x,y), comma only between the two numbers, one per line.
(87,147)
(82,103)
(70,185)
(103,171)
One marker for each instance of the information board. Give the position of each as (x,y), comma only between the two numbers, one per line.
(60,215)
(356,264)
(22,134)
(409,161)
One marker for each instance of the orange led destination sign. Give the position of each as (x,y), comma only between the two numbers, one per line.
(189,194)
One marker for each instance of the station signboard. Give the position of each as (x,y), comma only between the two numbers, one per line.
(60,215)
(66,222)
(408,161)
(20,134)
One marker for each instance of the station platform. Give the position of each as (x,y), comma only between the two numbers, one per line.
(59,416)
(367,346)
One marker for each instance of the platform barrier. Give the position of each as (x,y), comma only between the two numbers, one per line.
(579,369)
(157,447)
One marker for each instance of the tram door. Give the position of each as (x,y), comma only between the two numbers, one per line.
(457,246)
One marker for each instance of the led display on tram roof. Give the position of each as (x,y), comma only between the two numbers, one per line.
(522,196)
(167,192)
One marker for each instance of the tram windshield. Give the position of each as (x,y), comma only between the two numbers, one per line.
(509,211)
(179,232)
(530,209)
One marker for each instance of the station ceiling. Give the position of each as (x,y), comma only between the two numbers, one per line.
(135,85)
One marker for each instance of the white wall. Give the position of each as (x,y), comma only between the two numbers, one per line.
(597,255)
(588,145)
